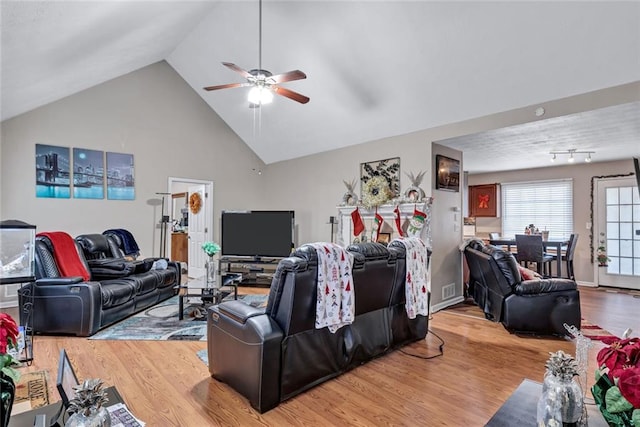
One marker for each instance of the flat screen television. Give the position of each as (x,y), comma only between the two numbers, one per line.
(257,234)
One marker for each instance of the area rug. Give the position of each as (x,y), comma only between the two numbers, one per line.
(204,356)
(470,309)
(160,323)
(595,332)
(31,392)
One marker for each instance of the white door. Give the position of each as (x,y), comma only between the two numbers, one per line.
(617,228)
(197,231)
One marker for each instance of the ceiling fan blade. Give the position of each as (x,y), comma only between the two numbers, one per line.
(227,86)
(291,94)
(237,69)
(287,77)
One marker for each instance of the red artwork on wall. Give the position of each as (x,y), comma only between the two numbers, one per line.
(483,200)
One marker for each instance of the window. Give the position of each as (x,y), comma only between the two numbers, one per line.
(546,204)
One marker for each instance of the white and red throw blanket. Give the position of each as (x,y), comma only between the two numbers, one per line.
(417,277)
(335,306)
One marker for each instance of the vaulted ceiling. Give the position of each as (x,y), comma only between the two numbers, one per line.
(375,68)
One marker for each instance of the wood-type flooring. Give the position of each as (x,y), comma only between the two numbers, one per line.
(165,384)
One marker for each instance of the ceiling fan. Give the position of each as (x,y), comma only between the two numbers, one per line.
(263,83)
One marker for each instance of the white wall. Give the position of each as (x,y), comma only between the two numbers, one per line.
(150,113)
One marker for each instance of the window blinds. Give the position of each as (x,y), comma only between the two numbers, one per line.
(546,204)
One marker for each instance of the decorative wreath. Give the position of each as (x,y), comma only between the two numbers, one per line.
(375,191)
(195,203)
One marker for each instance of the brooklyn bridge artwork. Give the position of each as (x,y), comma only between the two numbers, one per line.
(56,175)
(52,171)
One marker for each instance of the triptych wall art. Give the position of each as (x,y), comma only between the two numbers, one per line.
(56,174)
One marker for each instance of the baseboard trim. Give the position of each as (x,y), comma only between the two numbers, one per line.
(448,303)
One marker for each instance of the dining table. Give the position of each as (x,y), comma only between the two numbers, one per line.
(557,244)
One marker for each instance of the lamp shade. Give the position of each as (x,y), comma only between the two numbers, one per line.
(260,95)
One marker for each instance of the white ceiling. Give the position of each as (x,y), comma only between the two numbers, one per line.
(375,68)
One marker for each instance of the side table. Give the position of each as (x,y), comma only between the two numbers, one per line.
(212,295)
(521,408)
(25,419)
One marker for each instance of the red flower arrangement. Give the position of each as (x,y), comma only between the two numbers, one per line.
(617,388)
(8,339)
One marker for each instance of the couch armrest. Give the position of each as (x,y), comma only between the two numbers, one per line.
(59,281)
(244,347)
(63,308)
(239,311)
(540,286)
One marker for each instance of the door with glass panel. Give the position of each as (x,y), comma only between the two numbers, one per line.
(617,229)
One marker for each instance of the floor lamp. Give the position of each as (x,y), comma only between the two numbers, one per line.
(164,220)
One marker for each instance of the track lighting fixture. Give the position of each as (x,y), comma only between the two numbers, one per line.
(571,152)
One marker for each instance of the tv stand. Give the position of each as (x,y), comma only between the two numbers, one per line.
(255,271)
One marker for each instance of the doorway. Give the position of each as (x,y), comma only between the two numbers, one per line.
(617,229)
(198,225)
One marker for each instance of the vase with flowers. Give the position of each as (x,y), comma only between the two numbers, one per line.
(9,376)
(210,249)
(617,387)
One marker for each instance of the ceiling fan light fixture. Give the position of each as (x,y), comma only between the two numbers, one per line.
(260,95)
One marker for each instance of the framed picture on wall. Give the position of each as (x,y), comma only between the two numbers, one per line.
(447,173)
(483,200)
(52,171)
(389,169)
(120,176)
(88,174)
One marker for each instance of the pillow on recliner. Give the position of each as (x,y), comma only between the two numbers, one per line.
(528,274)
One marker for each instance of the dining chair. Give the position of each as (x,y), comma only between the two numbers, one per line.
(494,236)
(568,255)
(531,249)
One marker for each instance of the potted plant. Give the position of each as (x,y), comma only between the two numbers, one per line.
(616,391)
(8,375)
(601,255)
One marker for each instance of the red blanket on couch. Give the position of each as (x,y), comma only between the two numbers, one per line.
(66,254)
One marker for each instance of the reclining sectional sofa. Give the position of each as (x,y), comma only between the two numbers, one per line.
(116,289)
(540,306)
(270,355)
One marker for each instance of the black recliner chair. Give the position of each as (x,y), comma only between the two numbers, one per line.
(539,306)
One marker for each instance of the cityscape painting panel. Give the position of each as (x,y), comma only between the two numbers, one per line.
(52,171)
(88,174)
(120,176)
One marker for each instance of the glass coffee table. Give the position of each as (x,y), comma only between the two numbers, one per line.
(208,294)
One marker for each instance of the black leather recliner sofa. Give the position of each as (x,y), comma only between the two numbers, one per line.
(117,288)
(538,306)
(270,355)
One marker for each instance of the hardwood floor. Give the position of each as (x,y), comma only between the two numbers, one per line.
(164,383)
